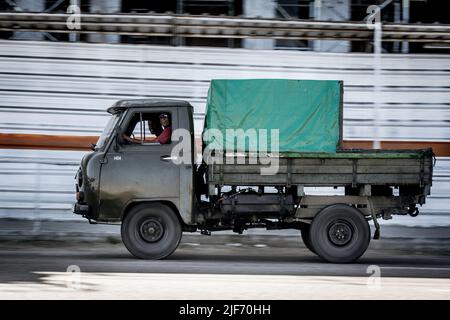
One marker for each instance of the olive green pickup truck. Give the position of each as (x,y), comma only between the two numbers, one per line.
(157,191)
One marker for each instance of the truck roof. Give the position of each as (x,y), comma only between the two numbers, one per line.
(146,103)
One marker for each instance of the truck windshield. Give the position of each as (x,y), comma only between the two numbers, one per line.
(107,131)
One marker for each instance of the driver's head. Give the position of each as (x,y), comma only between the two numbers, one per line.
(154,126)
(164,119)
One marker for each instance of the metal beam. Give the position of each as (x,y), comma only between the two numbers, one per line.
(221,27)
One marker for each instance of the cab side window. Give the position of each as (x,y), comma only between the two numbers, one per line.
(149,128)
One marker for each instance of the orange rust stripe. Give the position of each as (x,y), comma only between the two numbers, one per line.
(46,142)
(440,149)
(63,142)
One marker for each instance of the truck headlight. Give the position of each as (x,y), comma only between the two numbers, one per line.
(80,196)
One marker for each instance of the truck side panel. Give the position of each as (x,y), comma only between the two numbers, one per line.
(330,171)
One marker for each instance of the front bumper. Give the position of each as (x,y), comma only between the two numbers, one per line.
(82,209)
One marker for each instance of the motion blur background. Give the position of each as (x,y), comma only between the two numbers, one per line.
(55,84)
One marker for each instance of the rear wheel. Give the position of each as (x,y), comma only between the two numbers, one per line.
(151,231)
(305,230)
(340,234)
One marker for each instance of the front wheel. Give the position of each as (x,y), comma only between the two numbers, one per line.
(340,234)
(151,231)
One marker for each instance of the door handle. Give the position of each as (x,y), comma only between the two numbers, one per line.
(168,158)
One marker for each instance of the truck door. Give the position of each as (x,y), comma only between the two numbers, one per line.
(140,169)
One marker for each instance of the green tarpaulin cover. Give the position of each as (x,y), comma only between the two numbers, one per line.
(306,112)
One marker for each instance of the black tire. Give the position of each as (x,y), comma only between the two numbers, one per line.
(304,231)
(151,231)
(340,234)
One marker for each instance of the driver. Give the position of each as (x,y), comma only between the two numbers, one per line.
(163,138)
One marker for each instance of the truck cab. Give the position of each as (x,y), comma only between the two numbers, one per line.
(123,174)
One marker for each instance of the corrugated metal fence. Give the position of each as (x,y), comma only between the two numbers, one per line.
(64,88)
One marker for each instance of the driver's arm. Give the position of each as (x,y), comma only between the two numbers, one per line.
(129,139)
(133,140)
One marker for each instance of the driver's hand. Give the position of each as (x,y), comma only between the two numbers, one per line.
(126,138)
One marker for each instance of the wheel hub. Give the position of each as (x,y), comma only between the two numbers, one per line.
(340,233)
(151,230)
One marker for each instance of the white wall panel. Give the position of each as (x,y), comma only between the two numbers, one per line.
(64,88)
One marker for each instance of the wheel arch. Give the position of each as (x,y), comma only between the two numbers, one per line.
(133,203)
(338,204)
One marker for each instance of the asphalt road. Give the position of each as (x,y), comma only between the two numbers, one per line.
(223,267)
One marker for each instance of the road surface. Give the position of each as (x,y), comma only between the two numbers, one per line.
(223,266)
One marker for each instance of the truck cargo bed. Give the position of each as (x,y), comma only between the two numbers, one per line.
(351,167)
